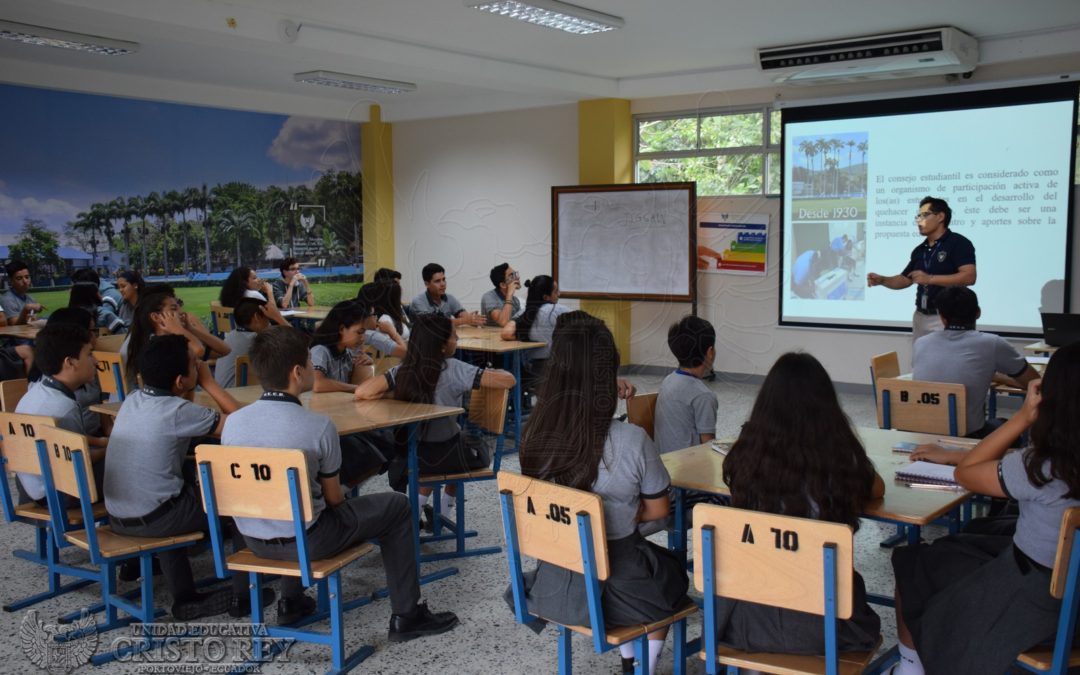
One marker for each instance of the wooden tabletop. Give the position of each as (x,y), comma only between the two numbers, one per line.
(701,468)
(348,415)
(317,312)
(24,331)
(486,339)
(1040,346)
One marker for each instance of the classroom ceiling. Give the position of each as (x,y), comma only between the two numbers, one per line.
(229,52)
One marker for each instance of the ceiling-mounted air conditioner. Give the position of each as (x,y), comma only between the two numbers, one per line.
(916,53)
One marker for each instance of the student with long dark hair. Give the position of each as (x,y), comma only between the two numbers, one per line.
(981,599)
(160,313)
(797,455)
(536,324)
(244,282)
(571,439)
(129,284)
(429,374)
(384,298)
(86,295)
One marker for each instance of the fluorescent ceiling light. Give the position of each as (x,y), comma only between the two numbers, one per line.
(346,81)
(551,14)
(51,37)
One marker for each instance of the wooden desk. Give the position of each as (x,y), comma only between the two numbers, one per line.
(701,468)
(24,332)
(1040,347)
(348,415)
(316,313)
(486,340)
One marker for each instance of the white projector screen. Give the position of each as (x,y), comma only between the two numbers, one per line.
(1002,159)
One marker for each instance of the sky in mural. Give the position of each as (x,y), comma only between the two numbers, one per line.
(62,151)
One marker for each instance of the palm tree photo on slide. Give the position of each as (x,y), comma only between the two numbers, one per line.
(829,176)
(179,189)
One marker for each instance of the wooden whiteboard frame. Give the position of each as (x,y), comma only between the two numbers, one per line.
(691,251)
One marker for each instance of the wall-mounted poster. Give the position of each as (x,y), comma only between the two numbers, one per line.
(734,245)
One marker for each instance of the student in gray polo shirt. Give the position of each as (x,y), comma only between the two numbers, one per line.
(685,406)
(335,354)
(250,318)
(149,489)
(435,300)
(19,306)
(962,355)
(500,305)
(280,357)
(63,355)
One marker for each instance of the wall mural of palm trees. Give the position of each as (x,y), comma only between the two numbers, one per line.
(827,182)
(180,190)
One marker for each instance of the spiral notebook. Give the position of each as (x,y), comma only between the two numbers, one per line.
(927,473)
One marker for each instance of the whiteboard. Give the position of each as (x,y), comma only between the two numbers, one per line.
(625,242)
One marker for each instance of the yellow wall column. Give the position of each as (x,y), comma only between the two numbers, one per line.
(605,150)
(377,188)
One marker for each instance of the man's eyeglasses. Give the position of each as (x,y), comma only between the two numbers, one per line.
(924,215)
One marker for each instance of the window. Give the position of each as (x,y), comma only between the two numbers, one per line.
(728,152)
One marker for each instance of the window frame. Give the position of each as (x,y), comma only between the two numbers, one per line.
(765,150)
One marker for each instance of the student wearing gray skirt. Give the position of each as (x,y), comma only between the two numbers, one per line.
(798,456)
(571,439)
(970,603)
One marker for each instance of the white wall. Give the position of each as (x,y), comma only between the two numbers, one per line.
(471,192)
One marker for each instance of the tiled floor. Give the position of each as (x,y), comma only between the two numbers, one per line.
(487,641)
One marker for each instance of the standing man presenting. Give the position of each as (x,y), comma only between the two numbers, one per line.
(945,258)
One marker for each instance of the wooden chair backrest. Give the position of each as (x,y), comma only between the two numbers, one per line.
(774,560)
(254,482)
(918,405)
(885,365)
(487,408)
(385,363)
(11,392)
(109,343)
(641,410)
(223,318)
(545,515)
(107,372)
(61,444)
(1070,520)
(245,374)
(19,433)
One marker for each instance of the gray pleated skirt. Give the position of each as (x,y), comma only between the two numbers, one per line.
(647,583)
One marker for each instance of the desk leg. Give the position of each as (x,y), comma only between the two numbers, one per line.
(515,368)
(991,404)
(902,532)
(414,504)
(677,536)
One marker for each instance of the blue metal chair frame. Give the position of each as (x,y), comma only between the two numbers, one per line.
(592,590)
(330,600)
(105,574)
(1070,602)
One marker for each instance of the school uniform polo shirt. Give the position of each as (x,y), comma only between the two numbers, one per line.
(630,471)
(967,357)
(543,328)
(423,304)
(278,420)
(280,286)
(50,399)
(945,256)
(239,341)
(493,300)
(13,303)
(380,341)
(150,438)
(337,365)
(685,409)
(456,379)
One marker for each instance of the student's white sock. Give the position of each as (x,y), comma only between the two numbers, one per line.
(910,663)
(626,650)
(424,500)
(655,647)
(447,502)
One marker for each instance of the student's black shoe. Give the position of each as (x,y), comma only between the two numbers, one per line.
(240,605)
(291,610)
(130,570)
(627,664)
(203,604)
(420,622)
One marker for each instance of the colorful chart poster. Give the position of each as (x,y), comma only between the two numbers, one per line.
(735,246)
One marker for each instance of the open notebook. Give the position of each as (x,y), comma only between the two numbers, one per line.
(927,473)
